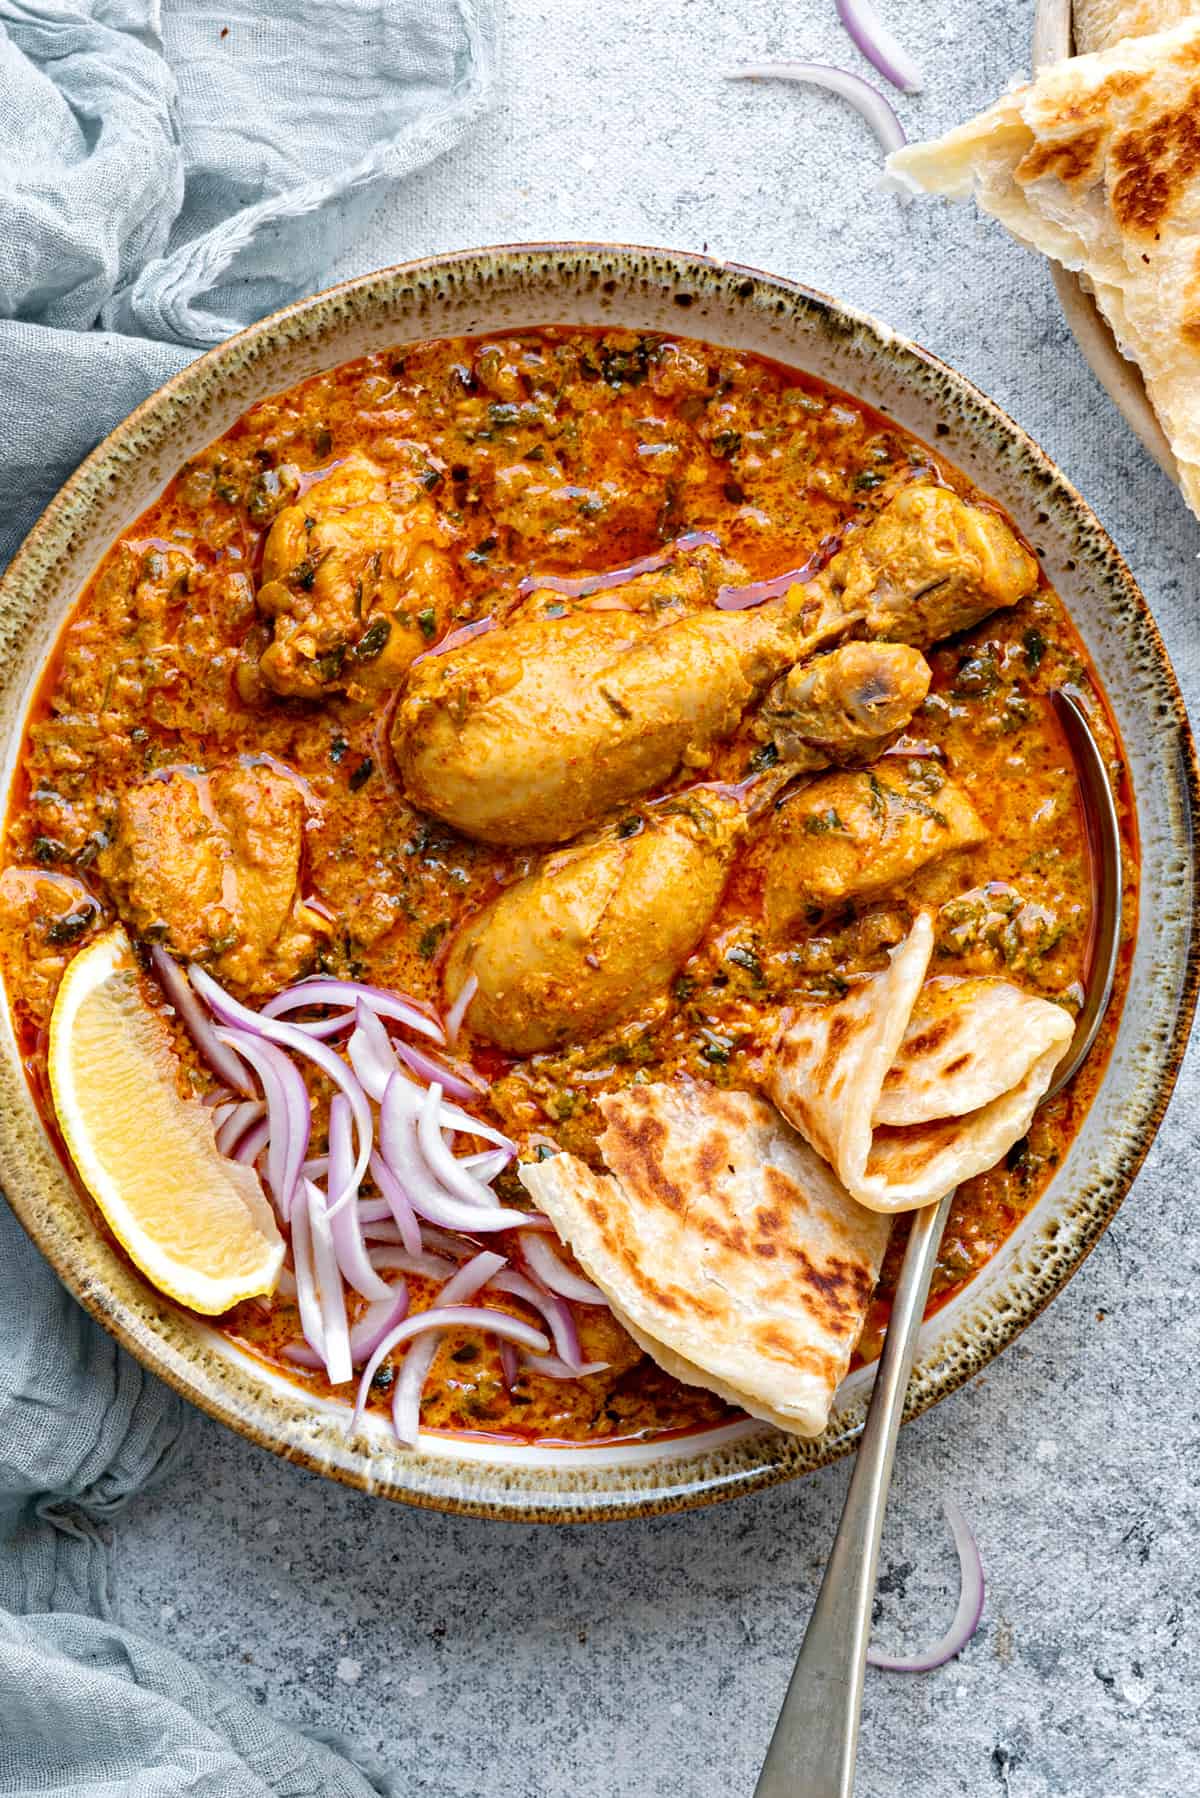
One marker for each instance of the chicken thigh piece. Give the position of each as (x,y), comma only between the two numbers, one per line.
(845,706)
(929,565)
(852,835)
(599,928)
(357,589)
(532,733)
(208,865)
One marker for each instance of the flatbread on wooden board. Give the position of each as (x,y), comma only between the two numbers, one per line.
(908,1088)
(1099,23)
(1096,163)
(727,1248)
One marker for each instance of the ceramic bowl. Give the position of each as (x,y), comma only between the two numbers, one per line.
(655,290)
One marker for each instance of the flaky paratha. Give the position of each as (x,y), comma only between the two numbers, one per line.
(908,1088)
(1100,23)
(726,1247)
(1096,163)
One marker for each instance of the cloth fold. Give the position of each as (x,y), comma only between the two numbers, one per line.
(169,179)
(166,180)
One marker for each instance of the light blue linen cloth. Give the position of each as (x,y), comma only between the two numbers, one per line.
(163,181)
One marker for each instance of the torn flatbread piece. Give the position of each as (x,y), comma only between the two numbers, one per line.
(727,1248)
(1099,23)
(1096,163)
(908,1087)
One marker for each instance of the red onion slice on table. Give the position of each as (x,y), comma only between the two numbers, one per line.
(288,1111)
(879,46)
(345,1224)
(967,1613)
(867,99)
(321,990)
(555,1274)
(219,1056)
(287,1036)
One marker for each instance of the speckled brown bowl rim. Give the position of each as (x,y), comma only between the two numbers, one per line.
(267,1409)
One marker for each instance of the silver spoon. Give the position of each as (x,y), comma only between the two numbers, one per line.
(815,1744)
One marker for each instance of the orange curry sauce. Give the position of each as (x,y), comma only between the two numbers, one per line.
(556,451)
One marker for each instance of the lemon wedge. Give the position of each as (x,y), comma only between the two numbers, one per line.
(198,1225)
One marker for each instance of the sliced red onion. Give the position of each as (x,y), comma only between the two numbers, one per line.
(429,1068)
(967,1612)
(868,100)
(556,1312)
(324,1028)
(220,1095)
(403,1154)
(396,1200)
(441,1163)
(879,46)
(288,1111)
(555,1274)
(537,1220)
(305,1277)
(509,1366)
(372,1052)
(319,989)
(486,1163)
(287,1036)
(396,1259)
(224,1110)
(462,1285)
(316,1167)
(579,586)
(365,1336)
(235,1123)
(312,903)
(346,1224)
(249,1147)
(373,1211)
(218,1055)
(286,1283)
(556,1369)
(455,1119)
(453,1021)
(454,638)
(334,1325)
(455,1243)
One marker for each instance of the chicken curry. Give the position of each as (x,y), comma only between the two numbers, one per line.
(608,695)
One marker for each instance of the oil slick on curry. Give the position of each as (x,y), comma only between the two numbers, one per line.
(723,869)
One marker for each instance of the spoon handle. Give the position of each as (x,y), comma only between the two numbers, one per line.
(815,1744)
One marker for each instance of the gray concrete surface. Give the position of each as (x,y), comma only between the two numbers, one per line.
(651,1658)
